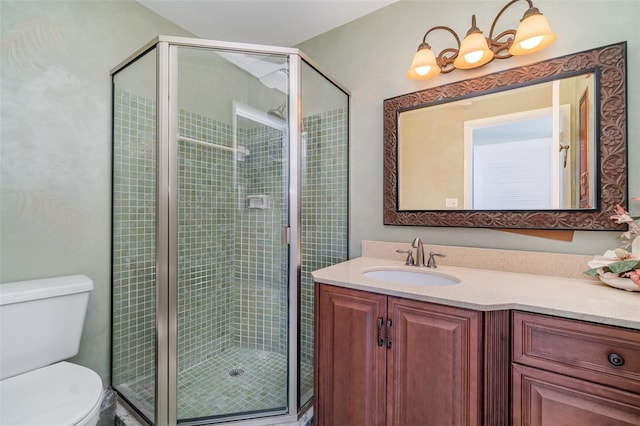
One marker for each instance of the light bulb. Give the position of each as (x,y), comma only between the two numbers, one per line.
(531,43)
(423,70)
(473,57)
(425,64)
(533,34)
(474,50)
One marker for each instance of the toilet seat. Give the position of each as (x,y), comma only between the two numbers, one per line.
(61,394)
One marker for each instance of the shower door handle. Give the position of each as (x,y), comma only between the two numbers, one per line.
(286,235)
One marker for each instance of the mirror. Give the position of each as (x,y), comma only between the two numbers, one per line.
(542,146)
(495,152)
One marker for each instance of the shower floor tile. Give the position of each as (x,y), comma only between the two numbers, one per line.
(207,389)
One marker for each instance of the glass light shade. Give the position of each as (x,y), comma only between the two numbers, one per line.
(424,65)
(474,52)
(533,34)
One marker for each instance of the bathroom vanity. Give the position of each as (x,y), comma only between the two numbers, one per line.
(383,357)
(497,348)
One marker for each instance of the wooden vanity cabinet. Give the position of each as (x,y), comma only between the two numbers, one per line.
(433,365)
(568,372)
(384,360)
(349,363)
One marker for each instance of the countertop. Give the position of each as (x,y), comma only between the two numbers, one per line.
(584,299)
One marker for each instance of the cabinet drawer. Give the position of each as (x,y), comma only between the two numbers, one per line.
(598,353)
(541,398)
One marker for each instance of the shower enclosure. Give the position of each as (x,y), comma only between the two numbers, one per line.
(230,177)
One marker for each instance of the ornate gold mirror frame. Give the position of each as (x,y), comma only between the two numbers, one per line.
(608,63)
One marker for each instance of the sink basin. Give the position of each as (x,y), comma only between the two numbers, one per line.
(421,277)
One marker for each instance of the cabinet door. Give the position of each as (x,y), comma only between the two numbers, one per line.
(542,398)
(350,365)
(433,368)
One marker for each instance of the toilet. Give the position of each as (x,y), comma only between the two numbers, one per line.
(41,324)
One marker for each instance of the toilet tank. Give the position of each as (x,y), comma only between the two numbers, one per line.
(41,321)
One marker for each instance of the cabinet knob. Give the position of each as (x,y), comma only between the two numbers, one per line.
(616,360)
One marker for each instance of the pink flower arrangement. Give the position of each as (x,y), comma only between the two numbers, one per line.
(623,216)
(622,262)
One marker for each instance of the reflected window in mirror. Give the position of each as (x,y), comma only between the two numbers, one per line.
(512,163)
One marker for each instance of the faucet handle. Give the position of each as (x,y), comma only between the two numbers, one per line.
(409,261)
(431,263)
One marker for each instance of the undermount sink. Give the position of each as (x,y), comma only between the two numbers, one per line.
(421,277)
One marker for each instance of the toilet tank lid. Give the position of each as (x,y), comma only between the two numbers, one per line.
(21,291)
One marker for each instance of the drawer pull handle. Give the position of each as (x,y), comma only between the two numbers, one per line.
(616,360)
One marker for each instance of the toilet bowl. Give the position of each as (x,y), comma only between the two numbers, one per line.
(41,323)
(59,394)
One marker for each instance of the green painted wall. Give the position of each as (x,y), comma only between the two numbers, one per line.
(55,151)
(371,56)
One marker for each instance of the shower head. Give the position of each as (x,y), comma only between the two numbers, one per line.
(279,112)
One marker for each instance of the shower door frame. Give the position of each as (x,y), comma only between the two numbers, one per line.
(167,223)
(168,145)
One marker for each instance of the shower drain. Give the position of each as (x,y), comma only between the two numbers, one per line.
(236,372)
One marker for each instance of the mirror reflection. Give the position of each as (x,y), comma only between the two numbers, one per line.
(530,148)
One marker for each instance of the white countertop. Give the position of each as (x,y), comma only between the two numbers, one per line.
(486,290)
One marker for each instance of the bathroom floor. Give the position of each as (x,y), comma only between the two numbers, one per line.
(238,380)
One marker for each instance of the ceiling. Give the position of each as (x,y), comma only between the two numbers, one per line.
(271,22)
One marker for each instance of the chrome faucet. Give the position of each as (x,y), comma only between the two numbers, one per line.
(417,244)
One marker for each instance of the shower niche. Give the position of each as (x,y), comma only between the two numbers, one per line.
(230,185)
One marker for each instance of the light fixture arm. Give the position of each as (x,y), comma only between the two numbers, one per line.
(498,44)
(446,57)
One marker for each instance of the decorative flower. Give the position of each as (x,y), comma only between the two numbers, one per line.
(621,262)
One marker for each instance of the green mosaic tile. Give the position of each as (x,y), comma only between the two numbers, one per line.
(226,301)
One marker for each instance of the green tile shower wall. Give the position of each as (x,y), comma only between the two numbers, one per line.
(232,266)
(261,290)
(207,205)
(134,237)
(324,205)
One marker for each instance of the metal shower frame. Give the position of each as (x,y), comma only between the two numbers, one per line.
(167,223)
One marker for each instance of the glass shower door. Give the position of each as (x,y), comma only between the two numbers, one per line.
(232,263)
(134,215)
(324,200)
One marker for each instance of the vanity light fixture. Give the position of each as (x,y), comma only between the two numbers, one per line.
(533,34)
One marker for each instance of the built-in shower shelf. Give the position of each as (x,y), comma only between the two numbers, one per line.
(258,201)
